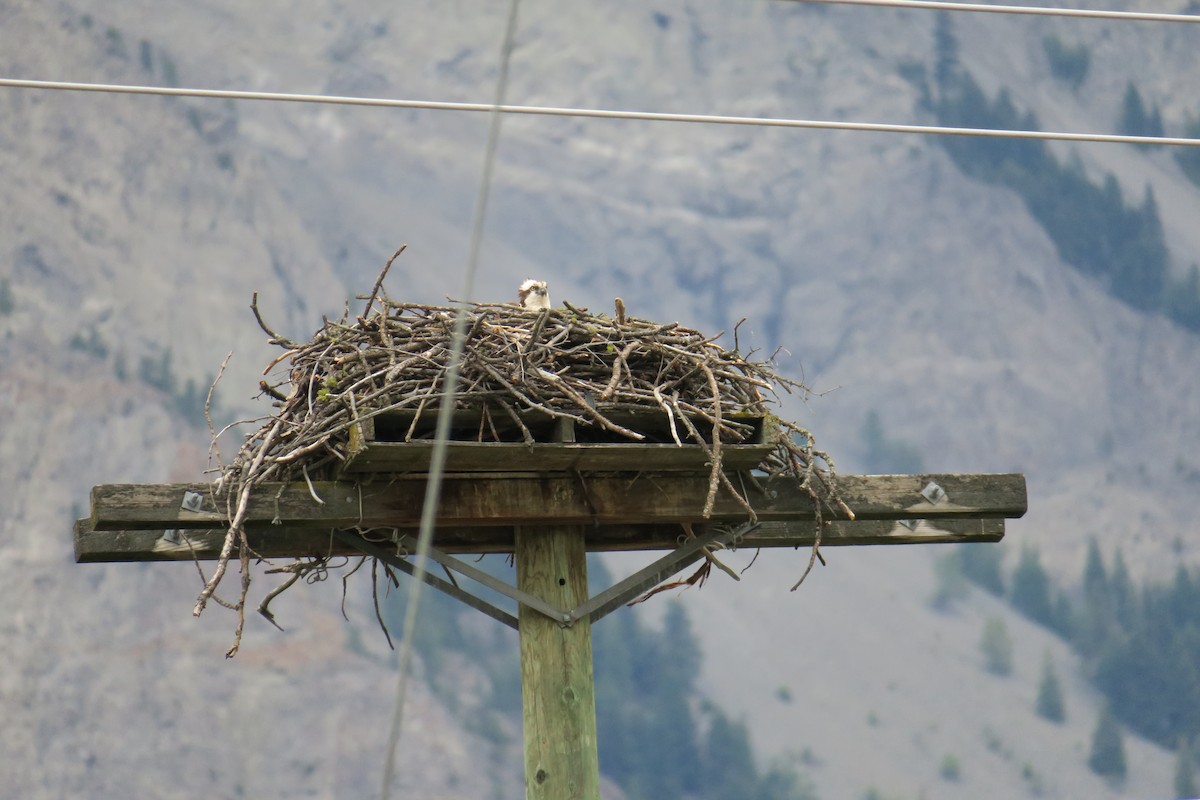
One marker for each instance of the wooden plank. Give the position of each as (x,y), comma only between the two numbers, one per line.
(471,425)
(843,533)
(272,541)
(276,541)
(584,457)
(389,442)
(962,495)
(548,499)
(558,697)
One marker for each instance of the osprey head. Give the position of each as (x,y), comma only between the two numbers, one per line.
(534,295)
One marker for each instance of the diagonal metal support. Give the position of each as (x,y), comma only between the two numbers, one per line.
(622,592)
(495,584)
(391,559)
(595,608)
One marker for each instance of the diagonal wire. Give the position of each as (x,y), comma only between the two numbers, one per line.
(1086,13)
(600,113)
(437,463)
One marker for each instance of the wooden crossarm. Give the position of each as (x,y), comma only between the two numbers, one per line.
(506,499)
(278,541)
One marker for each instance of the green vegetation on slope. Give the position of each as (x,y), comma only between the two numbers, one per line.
(1050,705)
(1068,63)
(1140,645)
(1094,228)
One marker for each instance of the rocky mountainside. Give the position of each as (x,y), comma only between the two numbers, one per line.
(136,229)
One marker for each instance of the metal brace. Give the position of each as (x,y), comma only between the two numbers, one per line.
(620,593)
(391,559)
(594,608)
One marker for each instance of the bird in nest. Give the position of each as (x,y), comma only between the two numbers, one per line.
(533,295)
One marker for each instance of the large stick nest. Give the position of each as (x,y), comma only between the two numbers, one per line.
(557,363)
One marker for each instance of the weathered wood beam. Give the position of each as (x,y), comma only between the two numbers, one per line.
(558,694)
(385,443)
(490,500)
(282,541)
(390,457)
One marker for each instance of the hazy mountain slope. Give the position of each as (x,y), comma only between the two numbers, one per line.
(930,298)
(124,239)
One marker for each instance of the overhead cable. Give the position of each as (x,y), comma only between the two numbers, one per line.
(940,5)
(597,113)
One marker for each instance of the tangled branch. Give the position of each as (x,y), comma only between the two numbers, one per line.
(517,365)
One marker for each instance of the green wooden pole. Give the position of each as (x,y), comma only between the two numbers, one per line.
(557,690)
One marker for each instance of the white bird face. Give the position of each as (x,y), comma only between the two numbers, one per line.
(534,295)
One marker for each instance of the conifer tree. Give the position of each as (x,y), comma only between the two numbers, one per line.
(1185,772)
(1189,160)
(1122,590)
(728,763)
(6,298)
(1133,119)
(945,45)
(1095,577)
(997,647)
(1185,298)
(1140,262)
(1095,616)
(1067,63)
(1108,747)
(1050,697)
(1031,588)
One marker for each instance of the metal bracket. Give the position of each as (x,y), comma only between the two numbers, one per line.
(192,501)
(933,493)
(594,608)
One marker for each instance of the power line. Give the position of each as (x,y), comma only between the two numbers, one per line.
(437,463)
(598,113)
(939,5)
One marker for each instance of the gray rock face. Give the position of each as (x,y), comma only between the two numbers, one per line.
(135,230)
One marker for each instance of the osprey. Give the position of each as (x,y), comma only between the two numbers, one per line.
(533,295)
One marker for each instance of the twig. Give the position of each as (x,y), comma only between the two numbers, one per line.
(213,451)
(264,606)
(375,599)
(379,280)
(236,532)
(716,441)
(275,337)
(708,554)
